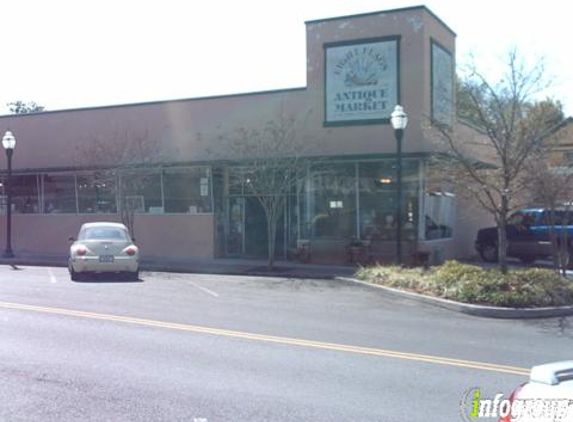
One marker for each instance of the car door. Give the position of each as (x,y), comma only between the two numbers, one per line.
(541,233)
(521,233)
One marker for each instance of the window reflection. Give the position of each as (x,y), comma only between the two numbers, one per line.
(25,194)
(187,190)
(141,192)
(59,193)
(97,193)
(331,201)
(378,204)
(439,214)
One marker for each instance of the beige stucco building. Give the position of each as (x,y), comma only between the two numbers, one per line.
(358,69)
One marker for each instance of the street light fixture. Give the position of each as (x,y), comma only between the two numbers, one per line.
(9,143)
(399,120)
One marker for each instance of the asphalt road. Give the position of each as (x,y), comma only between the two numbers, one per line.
(201,348)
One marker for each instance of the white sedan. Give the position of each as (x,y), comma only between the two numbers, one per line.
(103,248)
(547,397)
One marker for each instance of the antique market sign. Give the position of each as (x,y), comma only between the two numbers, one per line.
(361,81)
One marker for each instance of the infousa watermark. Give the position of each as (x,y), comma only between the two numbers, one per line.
(474,406)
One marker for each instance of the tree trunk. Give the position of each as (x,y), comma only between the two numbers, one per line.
(128,218)
(271,236)
(502,236)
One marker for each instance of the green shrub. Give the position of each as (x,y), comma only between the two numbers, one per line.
(466,283)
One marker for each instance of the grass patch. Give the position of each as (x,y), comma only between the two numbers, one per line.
(527,288)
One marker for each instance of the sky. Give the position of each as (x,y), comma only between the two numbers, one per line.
(71,54)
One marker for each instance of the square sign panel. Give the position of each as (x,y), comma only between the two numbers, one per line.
(361,81)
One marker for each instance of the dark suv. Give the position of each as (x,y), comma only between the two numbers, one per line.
(528,236)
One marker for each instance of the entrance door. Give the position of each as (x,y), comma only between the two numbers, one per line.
(236,233)
(248,229)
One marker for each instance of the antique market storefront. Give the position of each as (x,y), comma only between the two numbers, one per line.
(344,208)
(341,204)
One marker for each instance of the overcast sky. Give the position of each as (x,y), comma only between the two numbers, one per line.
(70,54)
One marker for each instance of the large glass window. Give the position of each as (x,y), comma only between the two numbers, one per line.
(439,214)
(237,180)
(59,193)
(25,194)
(331,201)
(97,192)
(377,200)
(187,190)
(378,203)
(141,191)
(439,206)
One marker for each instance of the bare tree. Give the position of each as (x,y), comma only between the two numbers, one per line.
(115,158)
(508,134)
(269,161)
(552,187)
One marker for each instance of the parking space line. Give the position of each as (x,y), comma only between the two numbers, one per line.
(432,359)
(53,279)
(206,290)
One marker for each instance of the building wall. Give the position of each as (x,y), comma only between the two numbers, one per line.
(186,130)
(416,27)
(560,143)
(196,130)
(190,130)
(159,236)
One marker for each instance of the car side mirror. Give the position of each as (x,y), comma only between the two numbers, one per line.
(71,239)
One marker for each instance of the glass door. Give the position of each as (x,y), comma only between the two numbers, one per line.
(247,231)
(236,234)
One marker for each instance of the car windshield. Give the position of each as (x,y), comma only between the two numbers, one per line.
(109,233)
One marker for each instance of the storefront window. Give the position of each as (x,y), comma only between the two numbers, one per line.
(141,191)
(377,200)
(331,201)
(378,205)
(439,206)
(236,180)
(187,190)
(25,194)
(439,214)
(97,193)
(59,194)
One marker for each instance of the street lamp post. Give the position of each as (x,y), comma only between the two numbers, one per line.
(399,120)
(9,142)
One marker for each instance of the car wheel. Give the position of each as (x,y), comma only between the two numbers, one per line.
(527,259)
(134,276)
(74,275)
(489,252)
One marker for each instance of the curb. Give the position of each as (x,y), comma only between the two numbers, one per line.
(33,263)
(186,268)
(238,272)
(469,309)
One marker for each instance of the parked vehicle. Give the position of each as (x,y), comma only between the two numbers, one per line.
(549,392)
(529,236)
(103,248)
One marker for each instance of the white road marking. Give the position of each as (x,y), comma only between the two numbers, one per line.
(206,290)
(52,276)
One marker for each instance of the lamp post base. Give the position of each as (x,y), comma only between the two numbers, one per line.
(8,254)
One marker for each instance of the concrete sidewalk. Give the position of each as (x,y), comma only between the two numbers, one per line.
(206,266)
